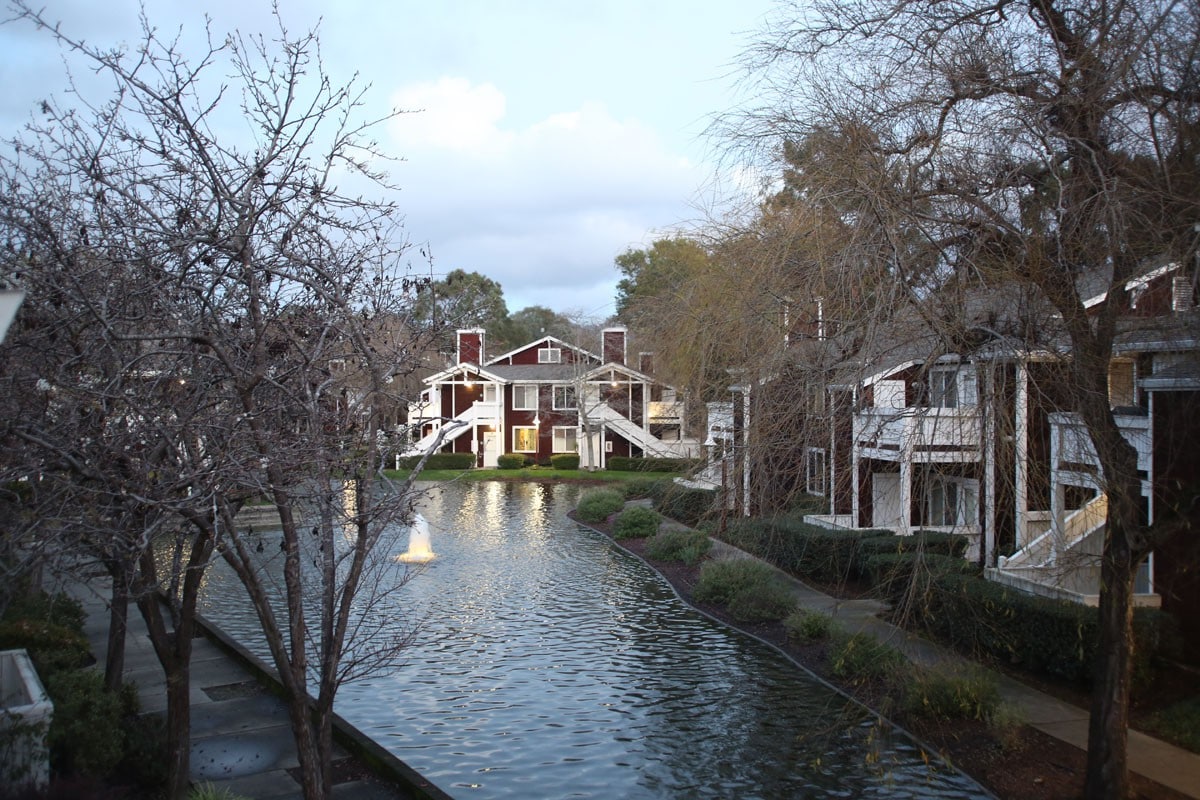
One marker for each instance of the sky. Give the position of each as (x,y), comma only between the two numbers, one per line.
(546,137)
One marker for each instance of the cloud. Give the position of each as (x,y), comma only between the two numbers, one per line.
(544,207)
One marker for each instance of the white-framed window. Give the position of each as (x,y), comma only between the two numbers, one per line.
(815,471)
(564,397)
(550,355)
(525,439)
(489,392)
(952,502)
(525,397)
(943,388)
(565,440)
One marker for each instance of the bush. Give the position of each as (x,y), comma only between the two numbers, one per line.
(860,657)
(510,461)
(1051,637)
(1179,723)
(633,464)
(57,609)
(687,546)
(52,648)
(597,504)
(638,488)
(86,733)
(636,522)
(440,461)
(680,503)
(565,461)
(762,602)
(943,695)
(720,580)
(906,579)
(803,625)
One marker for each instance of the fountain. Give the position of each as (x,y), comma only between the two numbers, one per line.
(418,542)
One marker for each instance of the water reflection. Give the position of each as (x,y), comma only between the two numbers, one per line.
(553,665)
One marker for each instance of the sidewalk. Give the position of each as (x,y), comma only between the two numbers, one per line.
(241,737)
(1165,763)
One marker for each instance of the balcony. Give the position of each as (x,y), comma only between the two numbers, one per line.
(665,413)
(1071,447)
(930,434)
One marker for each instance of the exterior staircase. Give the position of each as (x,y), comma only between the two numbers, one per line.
(651,445)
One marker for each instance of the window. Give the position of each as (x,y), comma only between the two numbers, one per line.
(951,502)
(550,355)
(489,393)
(815,471)
(525,439)
(525,397)
(943,388)
(564,440)
(564,397)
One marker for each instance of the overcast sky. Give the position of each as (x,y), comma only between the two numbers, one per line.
(551,136)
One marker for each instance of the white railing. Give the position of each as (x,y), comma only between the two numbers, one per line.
(919,428)
(663,411)
(1070,442)
(1046,549)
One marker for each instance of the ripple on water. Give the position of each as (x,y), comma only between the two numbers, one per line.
(551,665)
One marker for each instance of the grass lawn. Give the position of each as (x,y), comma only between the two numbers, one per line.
(529,474)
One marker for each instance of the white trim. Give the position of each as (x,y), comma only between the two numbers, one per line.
(573,403)
(523,388)
(567,447)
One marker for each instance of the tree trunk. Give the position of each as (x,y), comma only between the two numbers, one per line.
(314,775)
(1107,776)
(118,619)
(179,722)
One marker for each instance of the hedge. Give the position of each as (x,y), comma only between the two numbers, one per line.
(510,461)
(439,461)
(689,506)
(801,548)
(1052,637)
(630,464)
(908,577)
(565,461)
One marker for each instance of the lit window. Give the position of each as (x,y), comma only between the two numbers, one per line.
(525,397)
(564,440)
(525,440)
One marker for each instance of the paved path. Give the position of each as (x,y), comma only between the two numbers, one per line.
(241,738)
(1167,764)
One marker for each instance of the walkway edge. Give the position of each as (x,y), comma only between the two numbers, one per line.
(374,755)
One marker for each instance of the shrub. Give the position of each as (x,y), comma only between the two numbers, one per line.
(86,733)
(804,625)
(762,602)
(688,506)
(1051,637)
(439,461)
(52,648)
(1179,723)
(637,488)
(944,695)
(597,504)
(720,580)
(861,657)
(565,461)
(57,609)
(687,546)
(634,464)
(906,579)
(207,791)
(636,522)
(510,461)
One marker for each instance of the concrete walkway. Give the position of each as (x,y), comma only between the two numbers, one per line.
(1167,764)
(241,737)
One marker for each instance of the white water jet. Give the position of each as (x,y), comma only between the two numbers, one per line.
(418,543)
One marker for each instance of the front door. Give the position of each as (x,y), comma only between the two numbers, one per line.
(491,449)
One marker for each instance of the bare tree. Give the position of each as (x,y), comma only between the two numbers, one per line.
(989,143)
(211,323)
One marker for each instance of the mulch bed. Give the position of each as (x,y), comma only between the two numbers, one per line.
(1030,765)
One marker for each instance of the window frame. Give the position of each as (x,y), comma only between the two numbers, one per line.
(570,392)
(549,355)
(571,446)
(516,436)
(522,389)
(816,482)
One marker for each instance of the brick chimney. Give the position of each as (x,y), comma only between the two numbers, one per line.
(646,363)
(470,346)
(612,345)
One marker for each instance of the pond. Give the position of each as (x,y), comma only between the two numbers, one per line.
(551,664)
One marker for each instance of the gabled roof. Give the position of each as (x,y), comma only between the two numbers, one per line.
(449,372)
(536,345)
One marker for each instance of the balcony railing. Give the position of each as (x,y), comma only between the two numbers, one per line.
(1071,445)
(918,429)
(665,412)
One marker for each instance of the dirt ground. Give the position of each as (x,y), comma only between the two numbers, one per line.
(1028,765)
